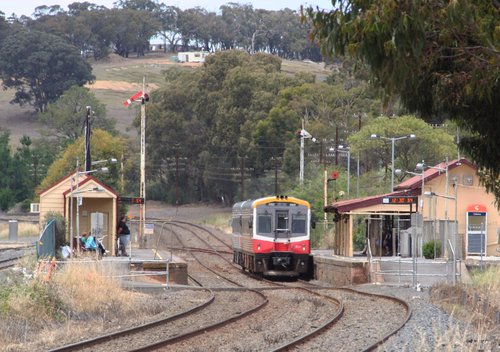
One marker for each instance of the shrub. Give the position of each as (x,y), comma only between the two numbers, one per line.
(60,227)
(428,249)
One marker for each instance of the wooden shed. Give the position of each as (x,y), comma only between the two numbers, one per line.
(87,204)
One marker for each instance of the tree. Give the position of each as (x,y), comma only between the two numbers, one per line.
(431,144)
(40,67)
(441,57)
(66,117)
(132,30)
(104,146)
(14,177)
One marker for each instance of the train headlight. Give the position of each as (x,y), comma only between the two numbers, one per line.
(303,247)
(258,247)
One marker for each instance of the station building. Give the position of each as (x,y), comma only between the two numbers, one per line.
(445,203)
(88,205)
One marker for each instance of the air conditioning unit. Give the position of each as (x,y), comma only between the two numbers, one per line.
(35,208)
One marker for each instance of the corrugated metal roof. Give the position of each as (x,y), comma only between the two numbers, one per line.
(410,187)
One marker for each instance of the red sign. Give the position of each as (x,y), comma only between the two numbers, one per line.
(131,200)
(477,208)
(335,175)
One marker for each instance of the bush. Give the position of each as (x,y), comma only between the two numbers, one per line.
(60,227)
(428,249)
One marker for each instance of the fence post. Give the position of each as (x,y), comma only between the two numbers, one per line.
(13,226)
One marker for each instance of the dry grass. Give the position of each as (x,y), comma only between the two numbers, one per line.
(24,229)
(221,222)
(112,73)
(481,335)
(78,302)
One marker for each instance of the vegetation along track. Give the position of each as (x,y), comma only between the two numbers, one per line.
(224,307)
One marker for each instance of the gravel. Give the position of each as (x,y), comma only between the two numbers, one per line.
(429,328)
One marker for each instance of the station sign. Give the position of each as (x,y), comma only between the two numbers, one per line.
(131,200)
(400,200)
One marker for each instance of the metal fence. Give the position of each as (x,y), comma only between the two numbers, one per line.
(416,271)
(46,244)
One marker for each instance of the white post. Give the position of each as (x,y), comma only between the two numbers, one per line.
(446,203)
(301,174)
(142,191)
(77,206)
(71,216)
(325,193)
(357,178)
(392,164)
(348,171)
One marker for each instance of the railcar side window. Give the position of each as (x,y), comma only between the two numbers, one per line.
(236,225)
(299,223)
(264,223)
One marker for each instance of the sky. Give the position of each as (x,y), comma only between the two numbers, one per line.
(27,7)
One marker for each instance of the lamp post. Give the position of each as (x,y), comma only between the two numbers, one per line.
(393,140)
(446,197)
(347,150)
(303,135)
(422,166)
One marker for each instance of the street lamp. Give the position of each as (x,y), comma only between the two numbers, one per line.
(303,134)
(400,172)
(446,197)
(347,150)
(393,140)
(110,160)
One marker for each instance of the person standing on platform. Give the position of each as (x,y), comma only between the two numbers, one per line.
(123,233)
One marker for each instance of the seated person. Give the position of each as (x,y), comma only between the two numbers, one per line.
(90,243)
(83,241)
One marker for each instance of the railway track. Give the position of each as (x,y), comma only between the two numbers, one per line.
(10,255)
(249,314)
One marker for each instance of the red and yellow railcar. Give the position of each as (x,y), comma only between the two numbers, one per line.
(271,236)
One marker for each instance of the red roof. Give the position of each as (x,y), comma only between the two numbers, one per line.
(410,187)
(431,173)
(352,204)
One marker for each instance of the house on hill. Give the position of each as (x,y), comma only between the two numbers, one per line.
(87,204)
(445,203)
(192,56)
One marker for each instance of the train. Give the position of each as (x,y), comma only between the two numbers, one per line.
(271,236)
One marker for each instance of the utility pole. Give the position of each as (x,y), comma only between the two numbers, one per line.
(88,161)
(275,175)
(242,177)
(177,176)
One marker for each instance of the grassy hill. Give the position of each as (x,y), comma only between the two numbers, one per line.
(117,79)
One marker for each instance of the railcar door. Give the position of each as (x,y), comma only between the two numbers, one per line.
(282,225)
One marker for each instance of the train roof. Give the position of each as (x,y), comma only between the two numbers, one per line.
(252,203)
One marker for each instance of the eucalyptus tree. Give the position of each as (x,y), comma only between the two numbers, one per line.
(66,117)
(168,16)
(431,144)
(40,67)
(440,57)
(132,30)
(104,146)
